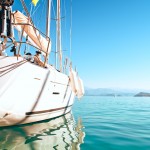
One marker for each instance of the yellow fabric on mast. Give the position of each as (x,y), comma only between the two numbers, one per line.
(35,2)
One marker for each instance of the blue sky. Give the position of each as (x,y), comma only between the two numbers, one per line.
(111,42)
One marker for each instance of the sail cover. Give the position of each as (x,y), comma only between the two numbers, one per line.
(22,23)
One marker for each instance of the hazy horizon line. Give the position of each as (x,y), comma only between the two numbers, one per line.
(117,88)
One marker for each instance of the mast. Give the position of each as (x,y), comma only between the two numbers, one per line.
(48,18)
(58,39)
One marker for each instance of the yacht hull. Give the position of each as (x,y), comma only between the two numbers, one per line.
(30,93)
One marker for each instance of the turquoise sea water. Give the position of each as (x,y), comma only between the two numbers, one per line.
(96,123)
(115,123)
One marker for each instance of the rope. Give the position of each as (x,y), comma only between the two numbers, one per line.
(11,64)
(12,68)
(26,10)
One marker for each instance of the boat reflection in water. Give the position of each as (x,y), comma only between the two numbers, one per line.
(60,133)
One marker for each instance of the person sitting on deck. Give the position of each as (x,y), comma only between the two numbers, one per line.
(28,56)
(37,59)
(2,51)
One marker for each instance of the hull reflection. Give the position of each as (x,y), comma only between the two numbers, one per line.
(60,133)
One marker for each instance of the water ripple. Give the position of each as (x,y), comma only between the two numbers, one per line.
(115,123)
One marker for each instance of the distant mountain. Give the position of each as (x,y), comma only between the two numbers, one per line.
(111,92)
(142,94)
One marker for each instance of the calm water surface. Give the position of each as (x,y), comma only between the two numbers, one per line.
(115,123)
(97,123)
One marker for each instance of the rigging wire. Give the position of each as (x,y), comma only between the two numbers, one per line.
(31,9)
(65,24)
(54,17)
(41,12)
(70,28)
(53,9)
(35,10)
(65,33)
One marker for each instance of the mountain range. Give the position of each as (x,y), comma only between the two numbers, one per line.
(113,92)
